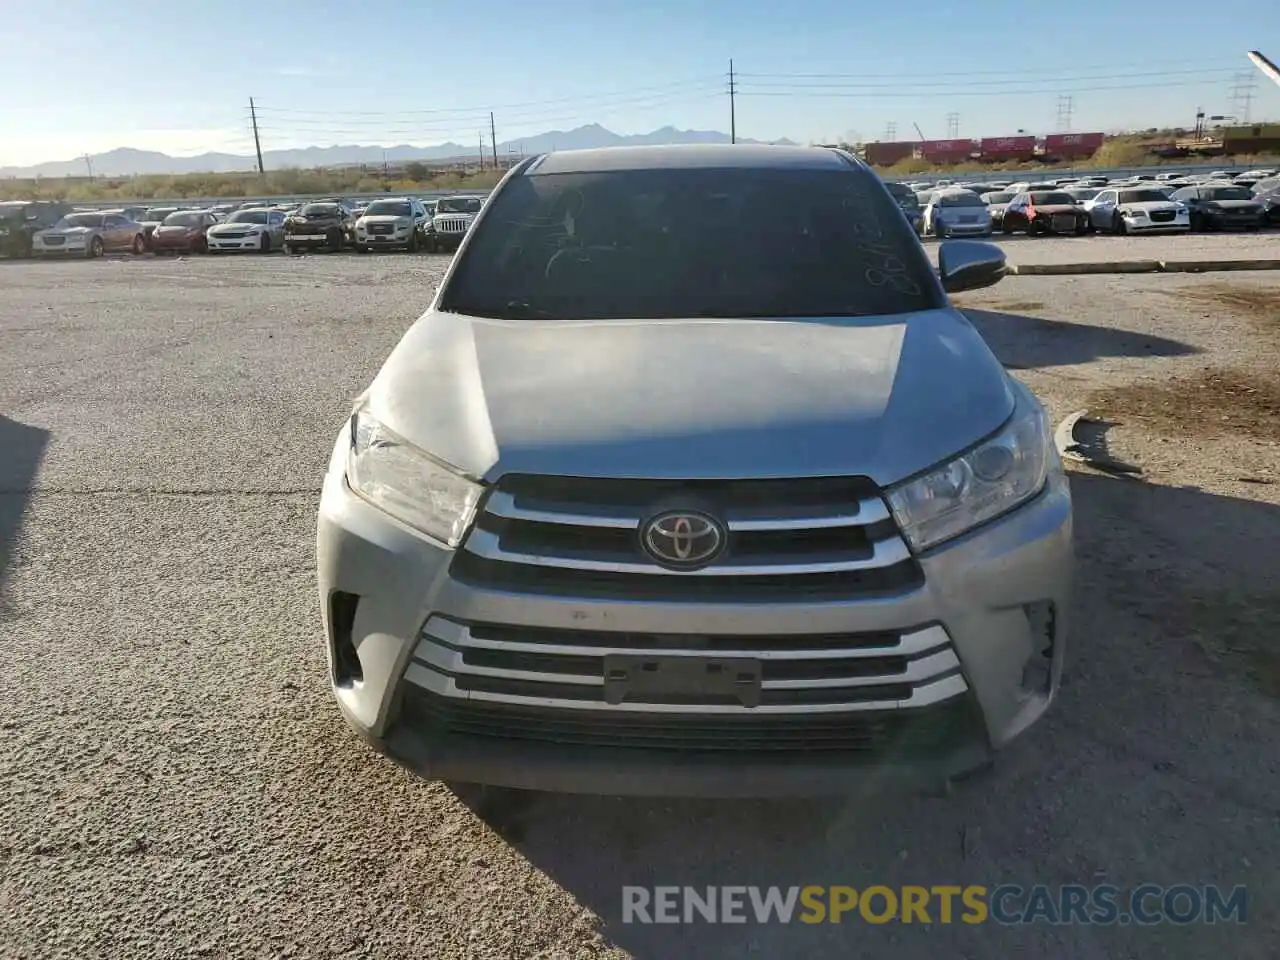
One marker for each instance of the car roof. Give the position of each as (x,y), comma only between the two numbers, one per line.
(689,157)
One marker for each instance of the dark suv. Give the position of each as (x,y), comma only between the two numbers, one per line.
(20,220)
(321,223)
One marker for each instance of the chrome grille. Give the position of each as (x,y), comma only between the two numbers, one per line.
(543,668)
(381,229)
(788,540)
(1161,216)
(455,225)
(54,241)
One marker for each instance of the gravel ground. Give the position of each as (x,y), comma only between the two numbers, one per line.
(174,780)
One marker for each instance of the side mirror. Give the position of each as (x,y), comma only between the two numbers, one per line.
(970,265)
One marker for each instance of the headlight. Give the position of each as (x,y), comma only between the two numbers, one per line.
(397,477)
(977,486)
(1135,213)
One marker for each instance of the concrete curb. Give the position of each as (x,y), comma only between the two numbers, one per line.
(1201,266)
(1138,266)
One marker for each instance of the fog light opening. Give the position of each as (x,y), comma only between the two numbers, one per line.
(342,617)
(1037,672)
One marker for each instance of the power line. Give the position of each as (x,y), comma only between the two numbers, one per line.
(702,83)
(950,91)
(834,83)
(1226,67)
(953,125)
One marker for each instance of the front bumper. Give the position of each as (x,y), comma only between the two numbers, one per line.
(964,229)
(384,241)
(445,241)
(218,244)
(977,591)
(1233,221)
(1181,221)
(79,249)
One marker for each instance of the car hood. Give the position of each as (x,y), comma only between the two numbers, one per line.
(1150,205)
(235,227)
(883,397)
(175,229)
(453,216)
(384,218)
(1052,208)
(67,232)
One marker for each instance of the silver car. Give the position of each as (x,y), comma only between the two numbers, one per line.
(661,496)
(957,213)
(90,235)
(257,229)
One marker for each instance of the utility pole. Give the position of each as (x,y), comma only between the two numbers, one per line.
(733,112)
(257,141)
(481,149)
(493,140)
(89,164)
(953,125)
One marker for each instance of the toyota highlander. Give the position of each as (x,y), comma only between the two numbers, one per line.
(661,496)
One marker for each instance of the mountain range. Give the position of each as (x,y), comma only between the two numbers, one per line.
(126,161)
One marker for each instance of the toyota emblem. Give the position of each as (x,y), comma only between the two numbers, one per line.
(683,539)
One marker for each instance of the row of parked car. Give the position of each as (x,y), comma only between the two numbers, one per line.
(1165,202)
(49,229)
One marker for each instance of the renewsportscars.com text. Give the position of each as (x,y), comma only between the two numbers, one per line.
(944,903)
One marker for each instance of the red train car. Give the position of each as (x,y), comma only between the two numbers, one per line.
(1008,148)
(887,153)
(1072,146)
(947,151)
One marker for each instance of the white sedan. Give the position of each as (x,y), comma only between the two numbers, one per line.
(1137,210)
(260,231)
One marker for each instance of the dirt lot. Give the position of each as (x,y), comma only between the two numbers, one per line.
(175,780)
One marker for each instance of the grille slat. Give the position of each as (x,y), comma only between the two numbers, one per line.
(456,659)
(802,539)
(926,731)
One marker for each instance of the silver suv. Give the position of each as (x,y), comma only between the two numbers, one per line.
(661,496)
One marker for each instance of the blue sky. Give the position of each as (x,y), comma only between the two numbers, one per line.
(177,77)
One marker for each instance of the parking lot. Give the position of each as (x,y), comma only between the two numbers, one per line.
(176,781)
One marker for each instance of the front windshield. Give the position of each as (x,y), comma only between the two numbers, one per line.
(459,205)
(388,208)
(961,200)
(157,214)
(678,243)
(1143,196)
(1085,193)
(1002,197)
(1227,193)
(79,220)
(248,216)
(319,210)
(1052,198)
(184,219)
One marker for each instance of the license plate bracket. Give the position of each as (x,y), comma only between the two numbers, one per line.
(629,677)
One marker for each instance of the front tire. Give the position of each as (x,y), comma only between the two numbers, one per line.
(96,249)
(335,242)
(412,245)
(266,244)
(362,248)
(139,245)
